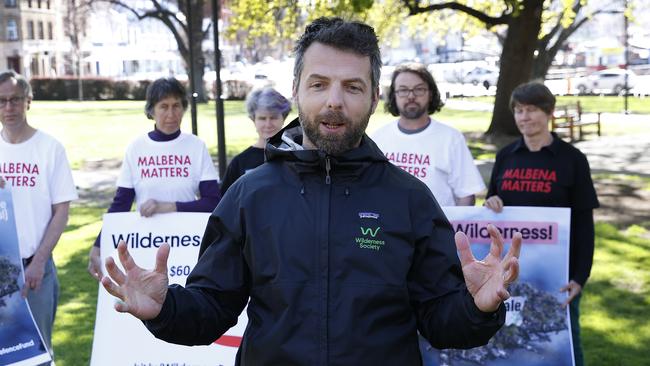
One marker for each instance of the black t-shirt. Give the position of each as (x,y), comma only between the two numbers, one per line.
(248,159)
(556,176)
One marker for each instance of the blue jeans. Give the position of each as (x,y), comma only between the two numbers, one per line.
(44,301)
(574,311)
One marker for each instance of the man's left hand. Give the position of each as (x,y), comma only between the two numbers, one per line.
(33,277)
(487,280)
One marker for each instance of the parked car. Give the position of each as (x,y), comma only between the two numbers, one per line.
(611,81)
(482,75)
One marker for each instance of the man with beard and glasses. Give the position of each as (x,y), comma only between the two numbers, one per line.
(341,256)
(433,152)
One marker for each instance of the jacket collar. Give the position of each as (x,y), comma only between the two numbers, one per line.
(286,146)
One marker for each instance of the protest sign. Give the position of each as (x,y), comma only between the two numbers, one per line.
(537,330)
(121,339)
(20,341)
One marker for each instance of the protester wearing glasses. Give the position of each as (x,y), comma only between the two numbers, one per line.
(431,151)
(35,167)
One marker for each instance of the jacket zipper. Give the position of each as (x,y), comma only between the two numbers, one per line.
(328,167)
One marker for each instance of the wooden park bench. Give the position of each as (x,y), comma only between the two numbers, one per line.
(568,118)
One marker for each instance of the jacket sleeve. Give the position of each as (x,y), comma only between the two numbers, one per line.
(217,289)
(446,314)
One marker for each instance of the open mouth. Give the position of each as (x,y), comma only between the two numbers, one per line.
(332,126)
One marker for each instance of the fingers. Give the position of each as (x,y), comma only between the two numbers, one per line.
(515,247)
(569,298)
(115,273)
(494,203)
(464,251)
(511,271)
(121,306)
(496,248)
(25,290)
(95,263)
(112,288)
(161,259)
(125,257)
(148,208)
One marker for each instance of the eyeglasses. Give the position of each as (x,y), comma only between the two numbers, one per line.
(13,101)
(418,91)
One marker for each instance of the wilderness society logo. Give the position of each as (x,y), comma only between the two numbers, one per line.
(368,238)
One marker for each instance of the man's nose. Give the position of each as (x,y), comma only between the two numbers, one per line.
(335,97)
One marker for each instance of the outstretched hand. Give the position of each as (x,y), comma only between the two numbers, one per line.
(141,292)
(487,280)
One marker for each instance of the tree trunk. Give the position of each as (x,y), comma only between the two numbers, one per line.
(542,63)
(516,65)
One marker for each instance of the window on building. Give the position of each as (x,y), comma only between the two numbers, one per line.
(39,3)
(10,3)
(41,31)
(48,4)
(30,29)
(12,30)
(29,3)
(50,30)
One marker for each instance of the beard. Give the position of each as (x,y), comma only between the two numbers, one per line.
(334,143)
(412,111)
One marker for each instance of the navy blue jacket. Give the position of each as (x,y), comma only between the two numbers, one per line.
(343,258)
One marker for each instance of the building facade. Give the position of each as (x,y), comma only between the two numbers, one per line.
(32,41)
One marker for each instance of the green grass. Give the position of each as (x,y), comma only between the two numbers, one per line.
(614,311)
(616,328)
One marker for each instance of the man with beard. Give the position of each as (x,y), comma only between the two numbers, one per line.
(429,150)
(340,256)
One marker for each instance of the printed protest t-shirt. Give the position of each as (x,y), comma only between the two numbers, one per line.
(39,176)
(438,156)
(166,170)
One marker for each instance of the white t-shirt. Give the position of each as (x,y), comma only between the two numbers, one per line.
(39,175)
(168,171)
(438,156)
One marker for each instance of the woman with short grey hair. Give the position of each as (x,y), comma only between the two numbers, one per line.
(164,170)
(268,109)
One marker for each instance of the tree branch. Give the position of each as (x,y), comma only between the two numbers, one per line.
(414,8)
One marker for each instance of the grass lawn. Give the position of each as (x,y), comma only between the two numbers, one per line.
(615,323)
(596,103)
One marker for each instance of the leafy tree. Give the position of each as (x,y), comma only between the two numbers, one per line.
(174,15)
(531,31)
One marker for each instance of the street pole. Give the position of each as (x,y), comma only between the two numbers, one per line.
(627,60)
(221,130)
(190,48)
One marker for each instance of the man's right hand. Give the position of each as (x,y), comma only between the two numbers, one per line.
(142,292)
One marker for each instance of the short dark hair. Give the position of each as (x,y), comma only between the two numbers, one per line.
(435,103)
(533,93)
(268,99)
(21,81)
(344,35)
(163,88)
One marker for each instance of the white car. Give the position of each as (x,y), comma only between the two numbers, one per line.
(610,81)
(483,76)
